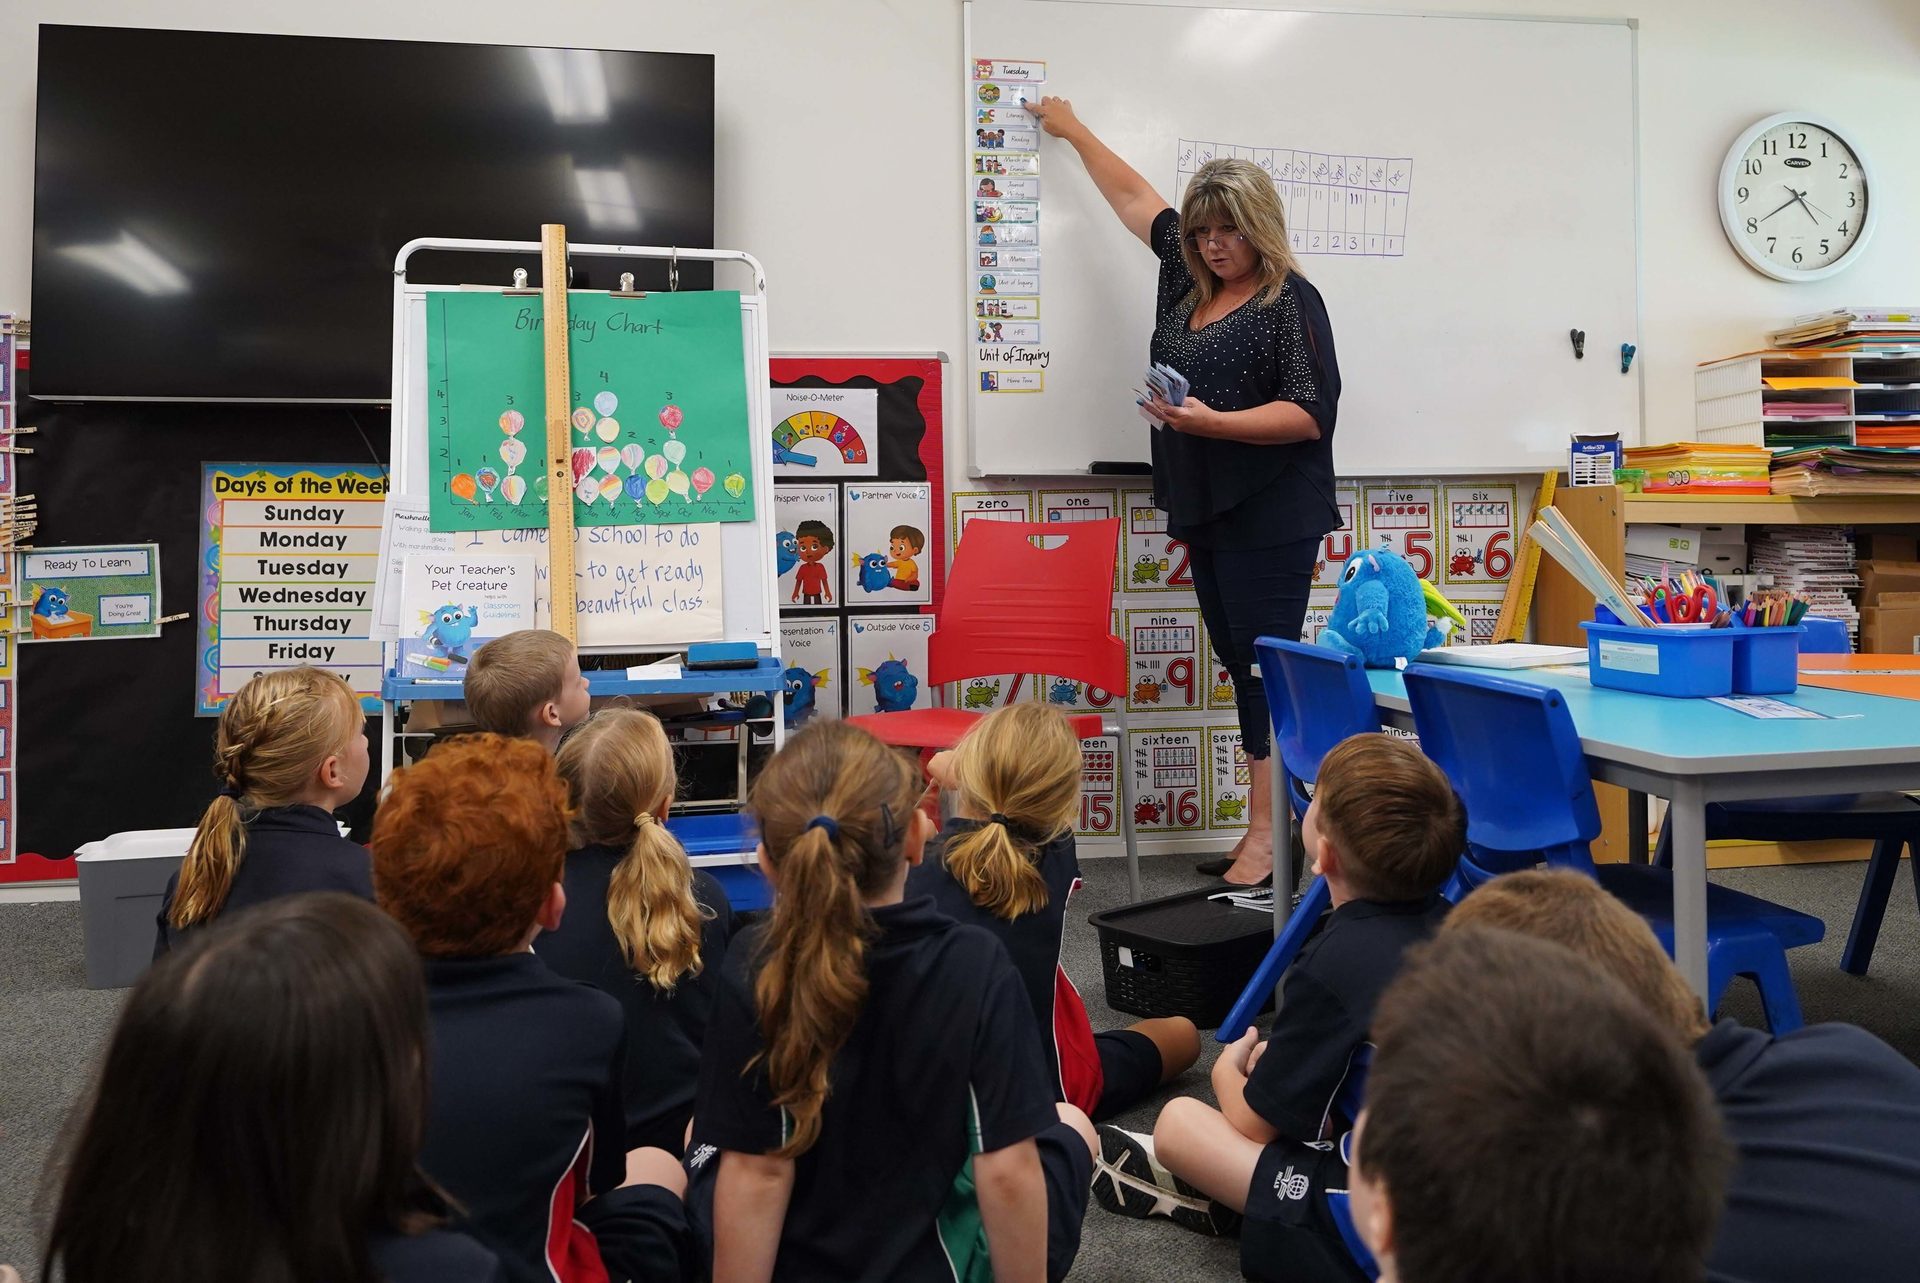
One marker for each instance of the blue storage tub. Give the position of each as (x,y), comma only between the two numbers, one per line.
(1681,660)
(1766,661)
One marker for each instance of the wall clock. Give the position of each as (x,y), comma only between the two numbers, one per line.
(1796,197)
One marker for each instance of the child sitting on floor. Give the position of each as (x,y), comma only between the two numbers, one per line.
(872,1093)
(290,750)
(640,925)
(1006,862)
(1385,830)
(526,1127)
(1527,1119)
(527,684)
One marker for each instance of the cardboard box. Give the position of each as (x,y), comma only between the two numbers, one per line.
(1664,543)
(1890,630)
(1880,577)
(1897,544)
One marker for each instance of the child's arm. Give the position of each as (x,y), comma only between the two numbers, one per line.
(750,1205)
(1013,1207)
(1230,1089)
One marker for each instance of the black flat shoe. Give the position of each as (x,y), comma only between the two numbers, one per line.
(1214,868)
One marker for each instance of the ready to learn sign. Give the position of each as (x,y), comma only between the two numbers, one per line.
(92,593)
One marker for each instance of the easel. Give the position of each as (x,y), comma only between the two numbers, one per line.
(750,595)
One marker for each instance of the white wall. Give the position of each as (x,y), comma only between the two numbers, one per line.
(838,160)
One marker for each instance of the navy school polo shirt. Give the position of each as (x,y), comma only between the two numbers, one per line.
(526,1121)
(1825,1123)
(436,1256)
(943,1062)
(1032,940)
(664,1030)
(289,850)
(1326,1008)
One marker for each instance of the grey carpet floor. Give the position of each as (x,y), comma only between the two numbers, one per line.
(52,1028)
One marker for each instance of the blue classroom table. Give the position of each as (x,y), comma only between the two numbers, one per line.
(1693,752)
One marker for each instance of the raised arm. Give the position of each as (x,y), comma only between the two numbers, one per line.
(1132,197)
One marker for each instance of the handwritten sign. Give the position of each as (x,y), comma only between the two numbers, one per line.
(634,586)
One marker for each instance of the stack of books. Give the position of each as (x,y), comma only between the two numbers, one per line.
(1815,562)
(1851,327)
(1696,467)
(1847,470)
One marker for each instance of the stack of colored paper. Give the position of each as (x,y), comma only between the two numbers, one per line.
(1700,467)
(1842,470)
(1850,325)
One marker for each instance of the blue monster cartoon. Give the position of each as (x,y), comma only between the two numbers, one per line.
(894,688)
(797,686)
(51,603)
(1063,691)
(786,552)
(448,629)
(876,573)
(1381,613)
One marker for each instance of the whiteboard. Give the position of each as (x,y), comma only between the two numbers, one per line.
(748,600)
(1515,144)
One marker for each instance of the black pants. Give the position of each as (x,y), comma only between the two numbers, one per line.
(1247,593)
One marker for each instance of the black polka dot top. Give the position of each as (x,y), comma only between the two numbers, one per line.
(1235,494)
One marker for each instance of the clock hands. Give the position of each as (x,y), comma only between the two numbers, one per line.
(1792,196)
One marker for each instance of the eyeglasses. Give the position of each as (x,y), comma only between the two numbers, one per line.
(1223,239)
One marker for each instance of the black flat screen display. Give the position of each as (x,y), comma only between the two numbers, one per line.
(216,215)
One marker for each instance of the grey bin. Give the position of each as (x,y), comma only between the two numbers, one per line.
(122,881)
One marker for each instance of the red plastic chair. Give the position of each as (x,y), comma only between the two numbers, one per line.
(1028,598)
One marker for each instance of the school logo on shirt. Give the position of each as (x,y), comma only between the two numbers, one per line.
(1290,1184)
(698,1158)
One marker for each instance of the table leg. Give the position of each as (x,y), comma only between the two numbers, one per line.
(1687,822)
(1282,844)
(1636,827)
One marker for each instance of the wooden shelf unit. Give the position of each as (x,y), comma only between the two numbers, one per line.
(1602,514)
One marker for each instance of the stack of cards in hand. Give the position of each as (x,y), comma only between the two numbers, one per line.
(1166,383)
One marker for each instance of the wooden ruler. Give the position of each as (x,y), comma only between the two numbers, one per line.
(1518,602)
(560,552)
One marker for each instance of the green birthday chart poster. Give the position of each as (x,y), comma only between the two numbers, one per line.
(659,427)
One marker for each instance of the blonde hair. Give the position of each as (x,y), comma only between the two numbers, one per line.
(1573,910)
(834,808)
(1241,194)
(512,676)
(274,734)
(619,768)
(1020,769)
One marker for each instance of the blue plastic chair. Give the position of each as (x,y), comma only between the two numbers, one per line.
(1512,753)
(1316,697)
(1352,1096)
(1891,821)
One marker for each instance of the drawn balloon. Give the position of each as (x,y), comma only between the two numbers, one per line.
(489,482)
(636,487)
(582,462)
(607,430)
(736,484)
(512,421)
(670,417)
(677,482)
(610,488)
(609,458)
(702,481)
(656,491)
(583,419)
(633,455)
(676,452)
(513,488)
(587,491)
(462,486)
(513,453)
(606,403)
(657,467)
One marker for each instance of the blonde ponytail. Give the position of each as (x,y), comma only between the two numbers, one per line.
(619,768)
(274,735)
(1020,769)
(833,809)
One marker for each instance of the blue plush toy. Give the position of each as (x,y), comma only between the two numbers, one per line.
(1381,613)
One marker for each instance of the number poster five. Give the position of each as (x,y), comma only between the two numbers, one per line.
(1403,518)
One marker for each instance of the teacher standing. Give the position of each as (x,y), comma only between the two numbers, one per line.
(1244,467)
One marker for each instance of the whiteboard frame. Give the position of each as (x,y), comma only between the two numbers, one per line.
(968,371)
(749,541)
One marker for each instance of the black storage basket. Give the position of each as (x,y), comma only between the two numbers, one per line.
(1183,955)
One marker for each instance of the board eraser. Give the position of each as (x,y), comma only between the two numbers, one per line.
(740,654)
(1119,468)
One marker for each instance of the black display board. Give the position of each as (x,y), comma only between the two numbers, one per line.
(107,733)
